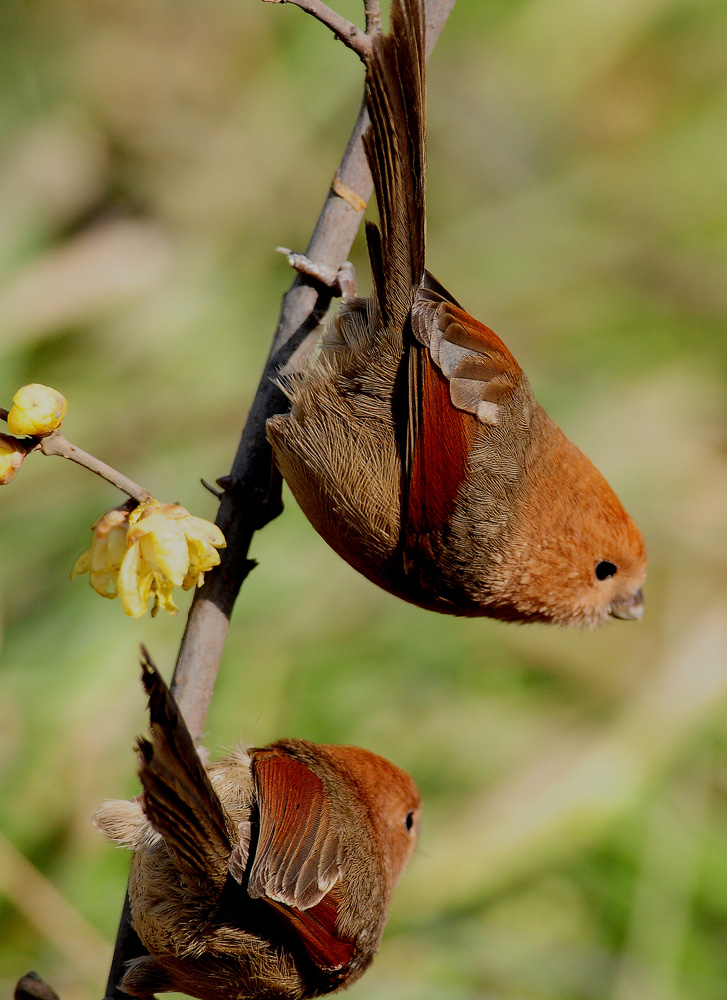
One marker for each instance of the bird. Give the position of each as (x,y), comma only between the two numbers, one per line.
(266,874)
(413,442)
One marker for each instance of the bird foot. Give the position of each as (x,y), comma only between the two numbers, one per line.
(341,281)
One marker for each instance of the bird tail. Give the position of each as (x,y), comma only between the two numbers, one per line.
(179,800)
(395,149)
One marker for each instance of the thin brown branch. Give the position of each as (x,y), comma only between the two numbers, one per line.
(3,413)
(57,444)
(252,494)
(342,28)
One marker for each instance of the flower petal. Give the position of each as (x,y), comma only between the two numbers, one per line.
(82,564)
(104,583)
(163,546)
(134,582)
(116,549)
(201,558)
(204,531)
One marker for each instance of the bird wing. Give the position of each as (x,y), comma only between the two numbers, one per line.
(460,372)
(298,858)
(476,363)
(178,798)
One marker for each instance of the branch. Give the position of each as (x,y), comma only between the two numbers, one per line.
(372,9)
(252,491)
(345,30)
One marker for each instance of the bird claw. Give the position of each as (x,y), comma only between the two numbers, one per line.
(341,281)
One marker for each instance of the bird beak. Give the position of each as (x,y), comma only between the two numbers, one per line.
(628,608)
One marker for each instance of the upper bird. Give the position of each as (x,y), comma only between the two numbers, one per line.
(267,874)
(414,443)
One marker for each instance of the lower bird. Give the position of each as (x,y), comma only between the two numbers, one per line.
(265,875)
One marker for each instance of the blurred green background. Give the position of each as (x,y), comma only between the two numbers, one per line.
(153,153)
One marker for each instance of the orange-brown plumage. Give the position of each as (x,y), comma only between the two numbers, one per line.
(414,443)
(267,874)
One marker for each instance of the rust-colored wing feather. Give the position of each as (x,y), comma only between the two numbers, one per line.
(297,863)
(478,365)
(297,859)
(438,450)
(317,929)
(460,372)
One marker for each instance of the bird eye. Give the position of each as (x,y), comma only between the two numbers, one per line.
(409,821)
(605,569)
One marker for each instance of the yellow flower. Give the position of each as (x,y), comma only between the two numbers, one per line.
(12,455)
(146,551)
(38,410)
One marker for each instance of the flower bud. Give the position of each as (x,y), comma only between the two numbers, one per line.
(12,456)
(38,410)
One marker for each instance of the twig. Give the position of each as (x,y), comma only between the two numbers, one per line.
(341,27)
(57,444)
(252,494)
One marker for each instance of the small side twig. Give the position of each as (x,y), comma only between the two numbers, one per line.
(212,489)
(342,28)
(57,444)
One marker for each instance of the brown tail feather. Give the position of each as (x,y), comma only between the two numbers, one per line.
(395,149)
(179,799)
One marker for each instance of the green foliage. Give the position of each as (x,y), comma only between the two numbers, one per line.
(575,784)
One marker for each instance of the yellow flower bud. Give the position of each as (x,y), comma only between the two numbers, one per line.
(37,410)
(144,553)
(12,455)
